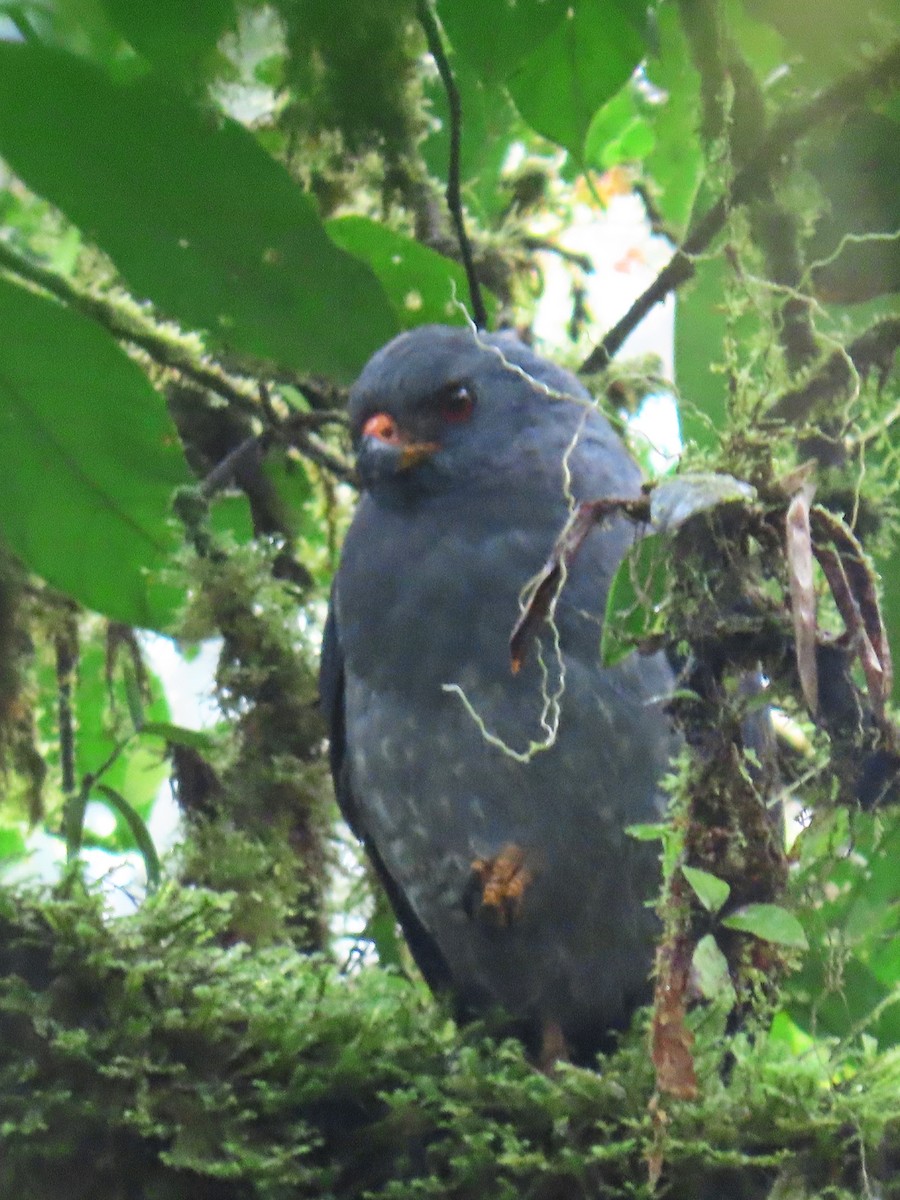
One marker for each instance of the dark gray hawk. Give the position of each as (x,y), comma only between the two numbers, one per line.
(494,803)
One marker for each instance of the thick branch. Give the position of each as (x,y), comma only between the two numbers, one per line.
(881,73)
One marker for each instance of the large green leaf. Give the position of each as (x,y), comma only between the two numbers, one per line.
(421,284)
(177,36)
(195,214)
(497,38)
(89,460)
(577,68)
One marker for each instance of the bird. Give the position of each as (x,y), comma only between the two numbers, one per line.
(495,804)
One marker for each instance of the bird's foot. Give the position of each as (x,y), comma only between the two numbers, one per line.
(497,886)
(554,1047)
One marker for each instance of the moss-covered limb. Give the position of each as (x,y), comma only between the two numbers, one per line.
(140,1057)
(169,348)
(833,379)
(21,764)
(124,320)
(262,814)
(880,74)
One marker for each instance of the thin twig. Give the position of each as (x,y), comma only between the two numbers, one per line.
(429,23)
(881,73)
(570,256)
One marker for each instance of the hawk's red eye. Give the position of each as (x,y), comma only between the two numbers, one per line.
(456,403)
(383,427)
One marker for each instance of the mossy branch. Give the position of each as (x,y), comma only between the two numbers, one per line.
(169,348)
(880,74)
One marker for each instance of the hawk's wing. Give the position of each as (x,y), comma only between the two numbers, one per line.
(331,692)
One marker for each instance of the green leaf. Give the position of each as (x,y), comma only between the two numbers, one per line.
(577,68)
(139,832)
(701,326)
(12,843)
(102,724)
(770,922)
(194,213)
(494,39)
(177,36)
(655,832)
(673,169)
(711,891)
(381,929)
(634,599)
(230,515)
(619,132)
(709,971)
(635,143)
(422,286)
(89,460)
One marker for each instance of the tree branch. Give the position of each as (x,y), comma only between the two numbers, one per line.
(173,350)
(164,345)
(583,261)
(128,324)
(881,73)
(834,377)
(429,23)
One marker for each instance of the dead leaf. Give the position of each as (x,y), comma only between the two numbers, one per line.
(852,581)
(674,501)
(549,581)
(672,1040)
(803,596)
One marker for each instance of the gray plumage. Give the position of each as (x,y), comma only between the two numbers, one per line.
(426,596)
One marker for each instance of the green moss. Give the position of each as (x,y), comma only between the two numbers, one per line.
(143,1057)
